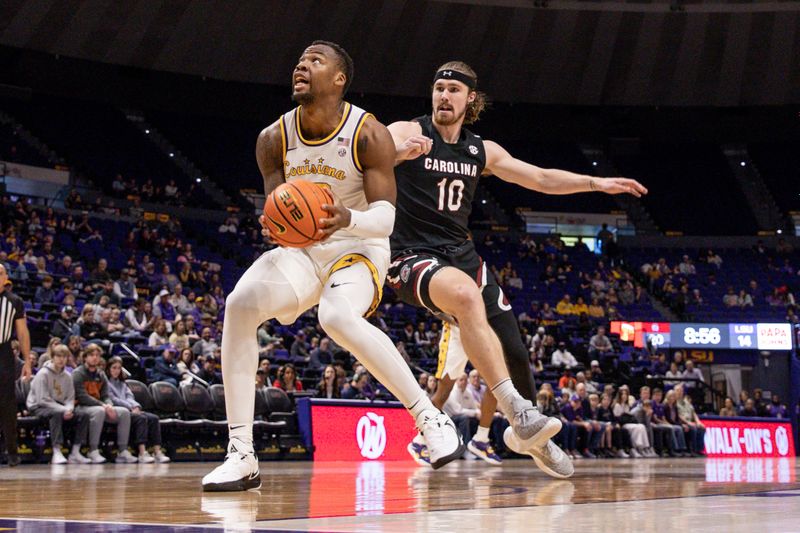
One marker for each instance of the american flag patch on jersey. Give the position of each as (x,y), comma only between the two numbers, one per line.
(342,141)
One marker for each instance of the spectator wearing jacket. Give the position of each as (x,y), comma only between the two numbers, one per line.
(146,427)
(166,368)
(93,401)
(52,396)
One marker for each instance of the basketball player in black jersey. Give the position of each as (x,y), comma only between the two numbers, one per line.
(434,262)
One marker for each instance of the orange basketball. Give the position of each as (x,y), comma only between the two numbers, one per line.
(293,211)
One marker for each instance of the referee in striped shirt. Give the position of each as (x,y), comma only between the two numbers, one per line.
(12,318)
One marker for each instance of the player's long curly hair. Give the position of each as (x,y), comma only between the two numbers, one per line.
(481,102)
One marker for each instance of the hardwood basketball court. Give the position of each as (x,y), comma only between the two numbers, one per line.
(619,495)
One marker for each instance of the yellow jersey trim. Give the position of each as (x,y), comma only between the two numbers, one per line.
(444,344)
(352,259)
(298,126)
(361,121)
(283,139)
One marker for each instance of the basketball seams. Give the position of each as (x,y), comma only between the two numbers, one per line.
(280,212)
(311,213)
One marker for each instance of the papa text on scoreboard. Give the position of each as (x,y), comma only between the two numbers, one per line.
(754,336)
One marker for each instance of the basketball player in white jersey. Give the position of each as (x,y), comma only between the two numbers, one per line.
(434,260)
(335,144)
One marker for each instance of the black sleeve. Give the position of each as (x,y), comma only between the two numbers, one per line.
(19,307)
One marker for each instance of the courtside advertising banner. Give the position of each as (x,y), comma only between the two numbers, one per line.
(742,438)
(361,433)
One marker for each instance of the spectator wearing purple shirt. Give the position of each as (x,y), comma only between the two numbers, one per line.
(776,409)
(163,308)
(572,412)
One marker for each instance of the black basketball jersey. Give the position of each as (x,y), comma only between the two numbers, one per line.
(435,191)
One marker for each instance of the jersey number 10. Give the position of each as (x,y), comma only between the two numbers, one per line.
(454,194)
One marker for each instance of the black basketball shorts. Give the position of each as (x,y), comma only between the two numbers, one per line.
(412,270)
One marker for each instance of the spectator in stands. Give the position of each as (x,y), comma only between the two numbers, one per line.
(206,346)
(89,328)
(599,344)
(159,336)
(686,267)
(673,372)
(596,373)
(567,382)
(562,357)
(179,338)
(728,409)
(604,238)
(208,370)
(124,287)
(187,365)
(573,412)
(596,310)
(535,363)
(358,387)
(431,385)
(179,301)
(107,291)
(713,259)
(299,348)
(422,341)
(287,379)
(100,275)
(65,325)
(659,419)
(137,318)
(692,373)
(564,307)
(328,387)
(186,276)
(146,427)
(589,387)
(163,308)
(52,396)
(321,355)
(45,293)
(462,407)
(94,402)
(166,368)
(602,445)
(111,320)
(622,408)
(776,409)
(749,408)
(688,417)
(659,366)
(730,299)
(64,268)
(744,299)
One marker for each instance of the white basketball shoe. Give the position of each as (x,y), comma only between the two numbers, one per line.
(443,440)
(239,471)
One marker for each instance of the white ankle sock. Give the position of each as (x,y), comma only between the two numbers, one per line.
(76,449)
(505,394)
(482,435)
(422,405)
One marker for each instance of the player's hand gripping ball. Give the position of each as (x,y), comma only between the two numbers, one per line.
(292,213)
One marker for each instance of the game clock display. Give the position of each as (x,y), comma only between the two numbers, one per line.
(758,336)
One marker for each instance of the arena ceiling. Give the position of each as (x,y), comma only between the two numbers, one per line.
(549,52)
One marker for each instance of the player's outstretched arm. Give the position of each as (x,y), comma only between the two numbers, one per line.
(376,152)
(409,142)
(550,180)
(269,155)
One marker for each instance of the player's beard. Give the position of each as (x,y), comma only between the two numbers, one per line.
(303,98)
(450,122)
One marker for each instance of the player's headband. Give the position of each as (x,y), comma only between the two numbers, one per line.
(448,74)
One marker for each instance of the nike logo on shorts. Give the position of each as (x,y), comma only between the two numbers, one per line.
(334,285)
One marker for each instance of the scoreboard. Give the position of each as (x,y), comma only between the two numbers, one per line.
(750,336)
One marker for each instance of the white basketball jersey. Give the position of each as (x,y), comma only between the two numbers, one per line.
(332,161)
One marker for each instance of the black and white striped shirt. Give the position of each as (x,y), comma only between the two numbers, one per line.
(11,308)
